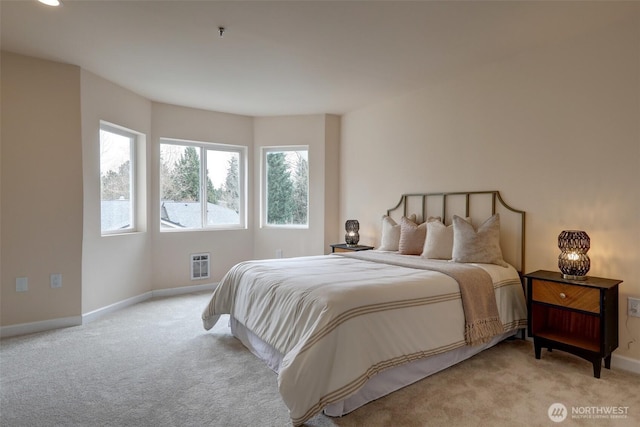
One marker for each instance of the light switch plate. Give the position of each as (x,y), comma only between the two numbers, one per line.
(634,307)
(22,284)
(55,280)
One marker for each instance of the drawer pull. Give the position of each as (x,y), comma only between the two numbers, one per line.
(563,295)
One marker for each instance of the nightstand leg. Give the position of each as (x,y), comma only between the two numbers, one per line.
(537,348)
(597,365)
(607,362)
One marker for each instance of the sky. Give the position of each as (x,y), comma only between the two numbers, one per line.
(114,150)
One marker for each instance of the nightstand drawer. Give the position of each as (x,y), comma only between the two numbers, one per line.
(570,296)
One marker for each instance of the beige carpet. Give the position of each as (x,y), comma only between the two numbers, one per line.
(154,365)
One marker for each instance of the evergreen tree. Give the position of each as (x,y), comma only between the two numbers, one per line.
(181,183)
(300,197)
(279,190)
(186,177)
(231,190)
(213,194)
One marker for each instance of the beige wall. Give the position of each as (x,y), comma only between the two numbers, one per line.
(171,250)
(41,230)
(555,129)
(51,115)
(319,133)
(333,228)
(114,267)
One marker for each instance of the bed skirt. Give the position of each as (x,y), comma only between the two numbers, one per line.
(381,384)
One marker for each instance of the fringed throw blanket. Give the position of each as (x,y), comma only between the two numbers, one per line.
(482,320)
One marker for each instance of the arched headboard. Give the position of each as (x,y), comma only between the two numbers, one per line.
(478,205)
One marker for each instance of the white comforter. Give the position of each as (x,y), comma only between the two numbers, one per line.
(339,320)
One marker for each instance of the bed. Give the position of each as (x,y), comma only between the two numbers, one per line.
(344,329)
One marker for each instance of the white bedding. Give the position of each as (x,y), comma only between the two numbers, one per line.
(340,320)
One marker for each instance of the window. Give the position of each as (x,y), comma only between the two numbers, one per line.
(117,179)
(201,185)
(285,190)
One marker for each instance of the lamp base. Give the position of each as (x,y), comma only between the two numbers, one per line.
(572,277)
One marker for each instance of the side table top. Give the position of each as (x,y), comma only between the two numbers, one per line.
(556,276)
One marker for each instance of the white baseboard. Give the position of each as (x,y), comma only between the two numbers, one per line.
(158,293)
(625,363)
(65,322)
(44,325)
(183,290)
(96,314)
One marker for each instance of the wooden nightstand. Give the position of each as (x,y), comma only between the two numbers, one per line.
(343,247)
(576,316)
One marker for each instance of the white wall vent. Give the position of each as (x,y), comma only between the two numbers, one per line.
(199,266)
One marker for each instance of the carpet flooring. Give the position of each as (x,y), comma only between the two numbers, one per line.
(153,364)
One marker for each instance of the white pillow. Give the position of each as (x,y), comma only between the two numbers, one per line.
(481,245)
(390,238)
(439,241)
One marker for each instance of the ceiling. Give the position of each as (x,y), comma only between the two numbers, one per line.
(289,57)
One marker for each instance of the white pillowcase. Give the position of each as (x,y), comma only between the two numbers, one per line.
(481,245)
(390,239)
(439,241)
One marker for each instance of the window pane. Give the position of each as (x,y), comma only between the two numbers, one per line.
(287,187)
(180,186)
(223,187)
(201,185)
(116,187)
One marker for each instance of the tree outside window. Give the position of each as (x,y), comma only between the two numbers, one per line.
(117,214)
(286,187)
(201,185)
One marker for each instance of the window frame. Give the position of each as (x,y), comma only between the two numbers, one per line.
(134,140)
(203,147)
(264,151)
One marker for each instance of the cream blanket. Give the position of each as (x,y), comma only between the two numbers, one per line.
(338,320)
(482,320)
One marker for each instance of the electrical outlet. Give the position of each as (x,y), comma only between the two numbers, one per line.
(55,280)
(634,307)
(22,284)
(278,253)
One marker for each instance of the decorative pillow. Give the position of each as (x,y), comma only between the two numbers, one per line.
(391,233)
(412,235)
(481,245)
(439,241)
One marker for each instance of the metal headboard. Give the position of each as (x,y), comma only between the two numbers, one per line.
(459,203)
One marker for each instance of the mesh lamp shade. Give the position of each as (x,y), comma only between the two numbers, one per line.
(351,236)
(573,260)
